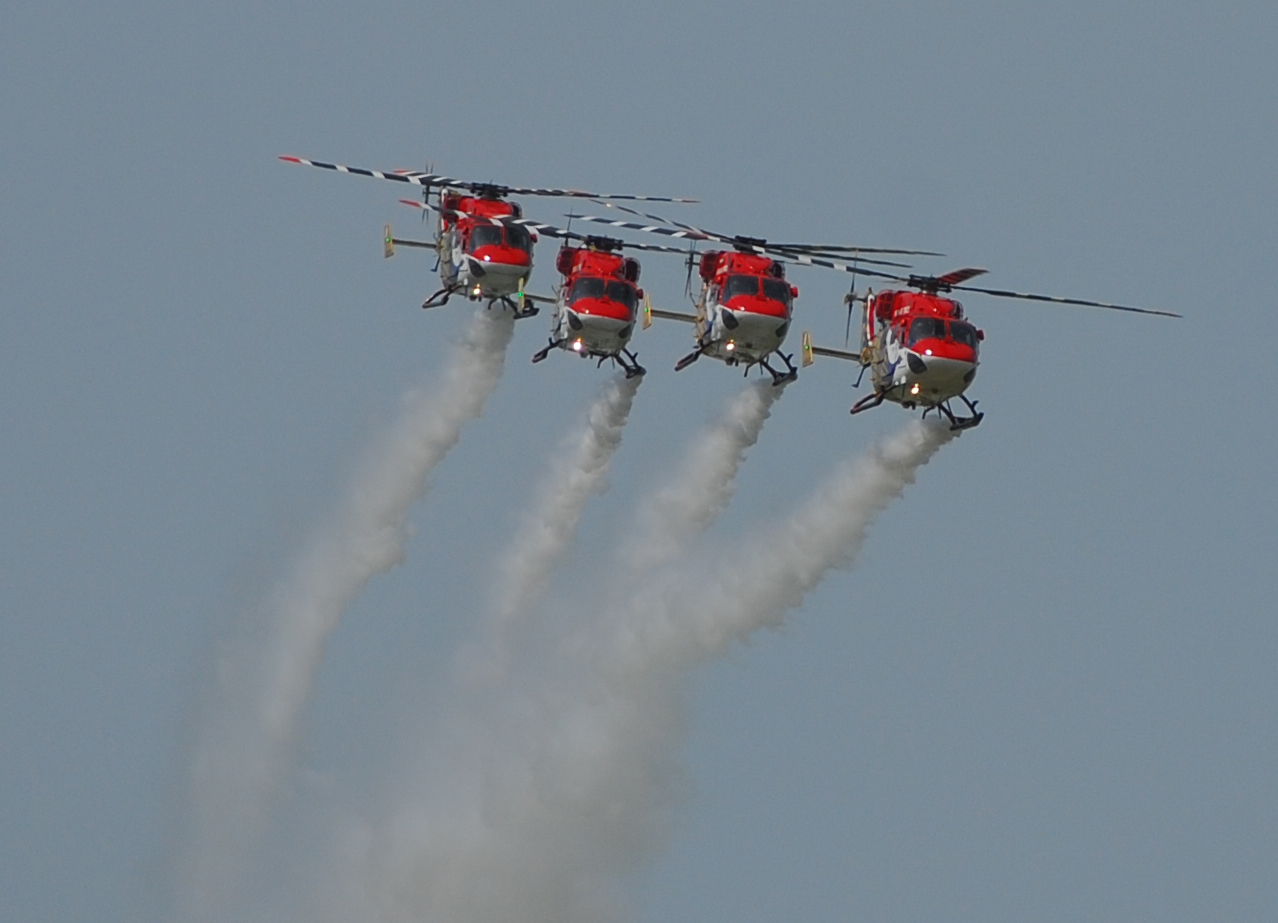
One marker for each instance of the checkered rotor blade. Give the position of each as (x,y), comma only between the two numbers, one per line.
(671,228)
(603,243)
(399,176)
(803,259)
(851,250)
(1056,299)
(497,190)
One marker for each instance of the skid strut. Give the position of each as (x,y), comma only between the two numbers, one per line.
(629,363)
(961,423)
(528,310)
(870,400)
(431,302)
(545,350)
(689,359)
(781,378)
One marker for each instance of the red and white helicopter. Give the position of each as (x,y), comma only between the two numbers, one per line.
(598,301)
(483,253)
(919,346)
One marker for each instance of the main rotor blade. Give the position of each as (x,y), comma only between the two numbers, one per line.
(652,248)
(692,230)
(814,249)
(1056,299)
(548,229)
(672,228)
(805,260)
(847,249)
(650,228)
(435,179)
(784,255)
(954,277)
(837,256)
(399,176)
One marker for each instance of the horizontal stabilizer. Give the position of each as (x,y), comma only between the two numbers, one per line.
(810,352)
(389,241)
(674,315)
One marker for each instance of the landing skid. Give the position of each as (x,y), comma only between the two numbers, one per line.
(542,353)
(781,378)
(689,359)
(958,424)
(629,363)
(434,301)
(528,310)
(868,402)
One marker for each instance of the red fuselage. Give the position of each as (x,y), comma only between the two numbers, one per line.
(598,301)
(745,307)
(505,249)
(924,351)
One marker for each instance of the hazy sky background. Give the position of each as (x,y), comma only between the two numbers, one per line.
(1047,689)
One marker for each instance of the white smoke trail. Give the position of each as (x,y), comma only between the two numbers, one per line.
(525,569)
(704,485)
(263,677)
(692,617)
(539,809)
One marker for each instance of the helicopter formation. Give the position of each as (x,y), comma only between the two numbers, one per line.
(916,342)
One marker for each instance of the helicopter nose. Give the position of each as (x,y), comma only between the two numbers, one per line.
(937,377)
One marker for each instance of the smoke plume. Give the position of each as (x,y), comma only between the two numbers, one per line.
(262,677)
(704,485)
(525,569)
(694,615)
(535,807)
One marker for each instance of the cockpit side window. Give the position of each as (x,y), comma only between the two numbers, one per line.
(740,285)
(777,290)
(622,293)
(517,236)
(964,333)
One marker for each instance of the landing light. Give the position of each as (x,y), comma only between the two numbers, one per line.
(926,352)
(915,389)
(488,259)
(476,292)
(576,345)
(730,346)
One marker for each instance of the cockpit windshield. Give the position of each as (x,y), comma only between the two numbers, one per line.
(963,333)
(926,328)
(586,288)
(740,285)
(484,235)
(622,293)
(517,236)
(777,290)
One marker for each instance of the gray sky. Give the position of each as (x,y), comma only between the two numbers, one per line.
(1045,691)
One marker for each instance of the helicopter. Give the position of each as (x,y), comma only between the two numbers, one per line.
(482,253)
(745,305)
(598,301)
(919,346)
